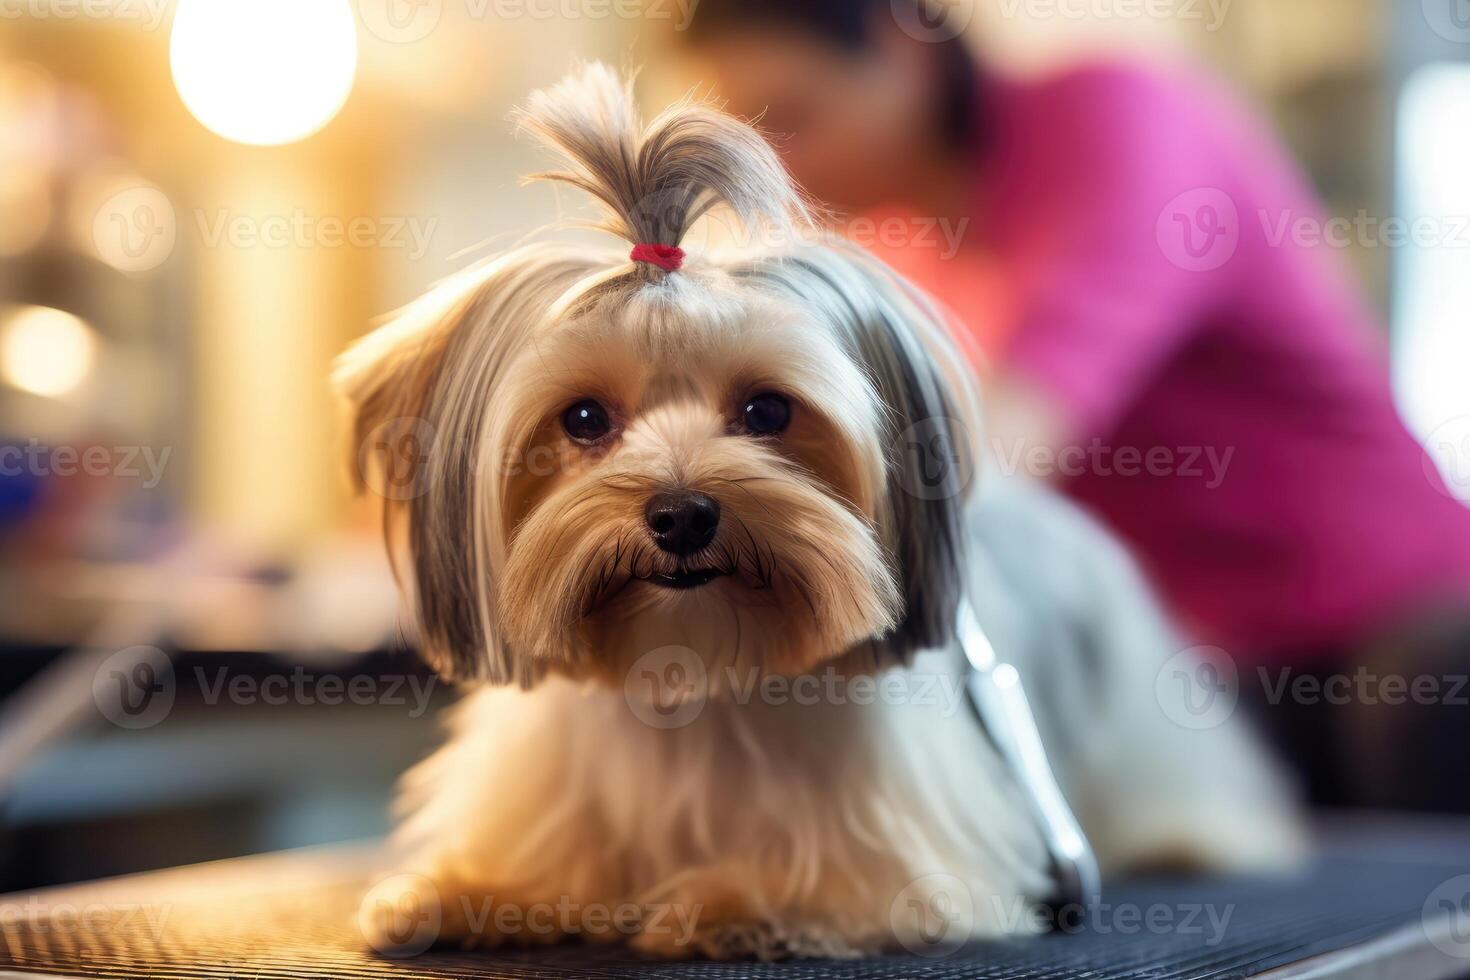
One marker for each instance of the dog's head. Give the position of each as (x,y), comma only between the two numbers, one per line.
(758,457)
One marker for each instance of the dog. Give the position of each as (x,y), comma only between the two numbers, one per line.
(653,499)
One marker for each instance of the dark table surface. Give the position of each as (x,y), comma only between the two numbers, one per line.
(1395,886)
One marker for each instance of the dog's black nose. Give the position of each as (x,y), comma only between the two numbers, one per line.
(682,522)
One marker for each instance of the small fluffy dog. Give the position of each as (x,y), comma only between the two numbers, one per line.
(697,533)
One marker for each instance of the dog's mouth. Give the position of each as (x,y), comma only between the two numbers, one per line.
(691,578)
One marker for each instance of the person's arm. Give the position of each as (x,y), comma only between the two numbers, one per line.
(1127,240)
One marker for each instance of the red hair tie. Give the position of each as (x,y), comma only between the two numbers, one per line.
(667,257)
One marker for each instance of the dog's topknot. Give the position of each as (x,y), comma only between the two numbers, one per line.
(655,181)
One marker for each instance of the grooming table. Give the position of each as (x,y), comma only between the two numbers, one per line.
(1383,900)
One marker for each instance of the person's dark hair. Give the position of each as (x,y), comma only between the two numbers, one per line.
(849,24)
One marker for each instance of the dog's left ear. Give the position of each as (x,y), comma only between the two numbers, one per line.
(930,415)
(930,469)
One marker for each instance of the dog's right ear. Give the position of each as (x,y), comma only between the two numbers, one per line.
(398,452)
(420,390)
(385,380)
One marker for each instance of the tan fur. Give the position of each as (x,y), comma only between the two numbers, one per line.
(776,827)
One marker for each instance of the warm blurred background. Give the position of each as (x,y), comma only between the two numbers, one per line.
(203,201)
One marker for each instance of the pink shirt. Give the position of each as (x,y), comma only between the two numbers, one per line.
(1230,373)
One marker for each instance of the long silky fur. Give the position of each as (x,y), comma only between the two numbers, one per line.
(787,828)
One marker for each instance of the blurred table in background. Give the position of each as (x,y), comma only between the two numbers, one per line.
(209,704)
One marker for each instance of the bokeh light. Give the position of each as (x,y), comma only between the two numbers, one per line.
(264,72)
(45,351)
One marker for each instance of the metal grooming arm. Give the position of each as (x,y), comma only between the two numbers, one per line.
(995,691)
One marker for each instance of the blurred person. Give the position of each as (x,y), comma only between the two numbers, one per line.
(1213,388)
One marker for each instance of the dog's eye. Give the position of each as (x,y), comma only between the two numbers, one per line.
(767,414)
(586,421)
